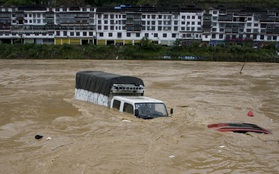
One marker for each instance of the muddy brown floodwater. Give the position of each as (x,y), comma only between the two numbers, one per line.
(37,97)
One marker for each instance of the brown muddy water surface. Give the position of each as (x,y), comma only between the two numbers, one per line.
(37,97)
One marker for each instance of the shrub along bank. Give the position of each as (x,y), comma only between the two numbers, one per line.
(144,50)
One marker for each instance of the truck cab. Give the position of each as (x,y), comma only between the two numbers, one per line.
(140,106)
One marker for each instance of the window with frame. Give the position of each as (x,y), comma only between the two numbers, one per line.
(119,35)
(116,104)
(128,108)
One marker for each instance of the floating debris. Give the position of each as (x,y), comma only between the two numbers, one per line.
(38,136)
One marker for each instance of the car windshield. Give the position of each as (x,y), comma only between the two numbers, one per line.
(151,110)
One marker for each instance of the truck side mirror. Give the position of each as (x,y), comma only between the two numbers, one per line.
(136,112)
(171,111)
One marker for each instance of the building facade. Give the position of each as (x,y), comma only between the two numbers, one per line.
(125,24)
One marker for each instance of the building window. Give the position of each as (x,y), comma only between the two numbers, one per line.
(155,34)
(173,35)
(146,35)
(105,27)
(64,33)
(111,27)
(164,35)
(78,33)
(110,34)
(84,33)
(72,33)
(137,34)
(128,34)
(101,34)
(119,35)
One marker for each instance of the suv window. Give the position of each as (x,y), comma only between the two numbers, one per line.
(128,108)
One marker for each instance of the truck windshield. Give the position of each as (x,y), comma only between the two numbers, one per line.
(151,110)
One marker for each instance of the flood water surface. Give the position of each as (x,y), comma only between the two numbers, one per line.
(37,97)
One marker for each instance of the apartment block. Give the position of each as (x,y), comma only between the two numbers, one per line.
(126,24)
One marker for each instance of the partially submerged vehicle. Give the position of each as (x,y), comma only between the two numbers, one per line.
(125,93)
(238,128)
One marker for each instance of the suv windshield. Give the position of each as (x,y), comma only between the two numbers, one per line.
(151,110)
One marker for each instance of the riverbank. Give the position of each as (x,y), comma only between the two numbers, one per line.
(143,51)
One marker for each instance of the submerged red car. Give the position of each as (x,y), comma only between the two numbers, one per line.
(238,128)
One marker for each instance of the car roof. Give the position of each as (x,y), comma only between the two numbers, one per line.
(238,128)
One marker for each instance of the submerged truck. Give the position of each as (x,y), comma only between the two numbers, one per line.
(125,93)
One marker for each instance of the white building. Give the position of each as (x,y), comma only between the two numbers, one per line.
(128,25)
